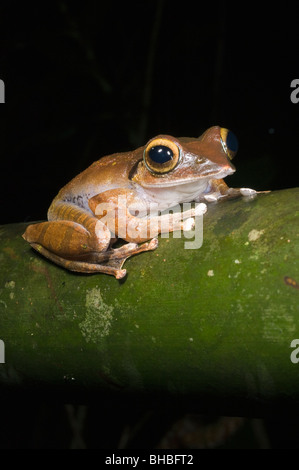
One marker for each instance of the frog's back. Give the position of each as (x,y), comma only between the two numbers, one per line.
(110,172)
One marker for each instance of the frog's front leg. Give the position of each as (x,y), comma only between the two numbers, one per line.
(218,190)
(78,241)
(114,210)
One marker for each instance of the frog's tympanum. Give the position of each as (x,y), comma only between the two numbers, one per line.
(111,200)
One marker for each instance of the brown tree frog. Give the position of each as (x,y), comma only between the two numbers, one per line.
(108,200)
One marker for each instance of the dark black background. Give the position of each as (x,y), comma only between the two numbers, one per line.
(86,79)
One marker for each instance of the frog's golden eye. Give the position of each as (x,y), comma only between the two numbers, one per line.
(161,155)
(229,142)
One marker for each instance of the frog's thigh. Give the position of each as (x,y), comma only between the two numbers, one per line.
(63,242)
(68,239)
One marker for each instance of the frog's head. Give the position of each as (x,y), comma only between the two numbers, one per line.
(169,161)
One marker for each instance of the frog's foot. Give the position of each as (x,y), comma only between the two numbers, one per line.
(188,224)
(181,220)
(117,256)
(245,192)
(248,192)
(188,220)
(219,191)
(130,249)
(80,266)
(197,211)
(112,260)
(231,193)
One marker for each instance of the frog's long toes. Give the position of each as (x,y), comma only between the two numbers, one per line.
(212,197)
(248,192)
(188,224)
(152,245)
(200,209)
(120,273)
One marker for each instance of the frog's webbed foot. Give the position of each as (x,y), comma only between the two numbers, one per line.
(117,256)
(130,249)
(108,262)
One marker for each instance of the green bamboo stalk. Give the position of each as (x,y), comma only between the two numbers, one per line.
(214,323)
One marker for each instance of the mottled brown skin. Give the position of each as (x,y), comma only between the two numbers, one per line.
(79,234)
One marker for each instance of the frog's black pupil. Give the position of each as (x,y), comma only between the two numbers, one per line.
(160,154)
(232,142)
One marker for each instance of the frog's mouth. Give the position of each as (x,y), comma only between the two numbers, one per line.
(168,193)
(197,180)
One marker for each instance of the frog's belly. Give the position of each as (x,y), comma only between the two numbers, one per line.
(81,196)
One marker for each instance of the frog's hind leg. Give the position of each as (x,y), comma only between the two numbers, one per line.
(69,239)
(115,258)
(80,266)
(71,245)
